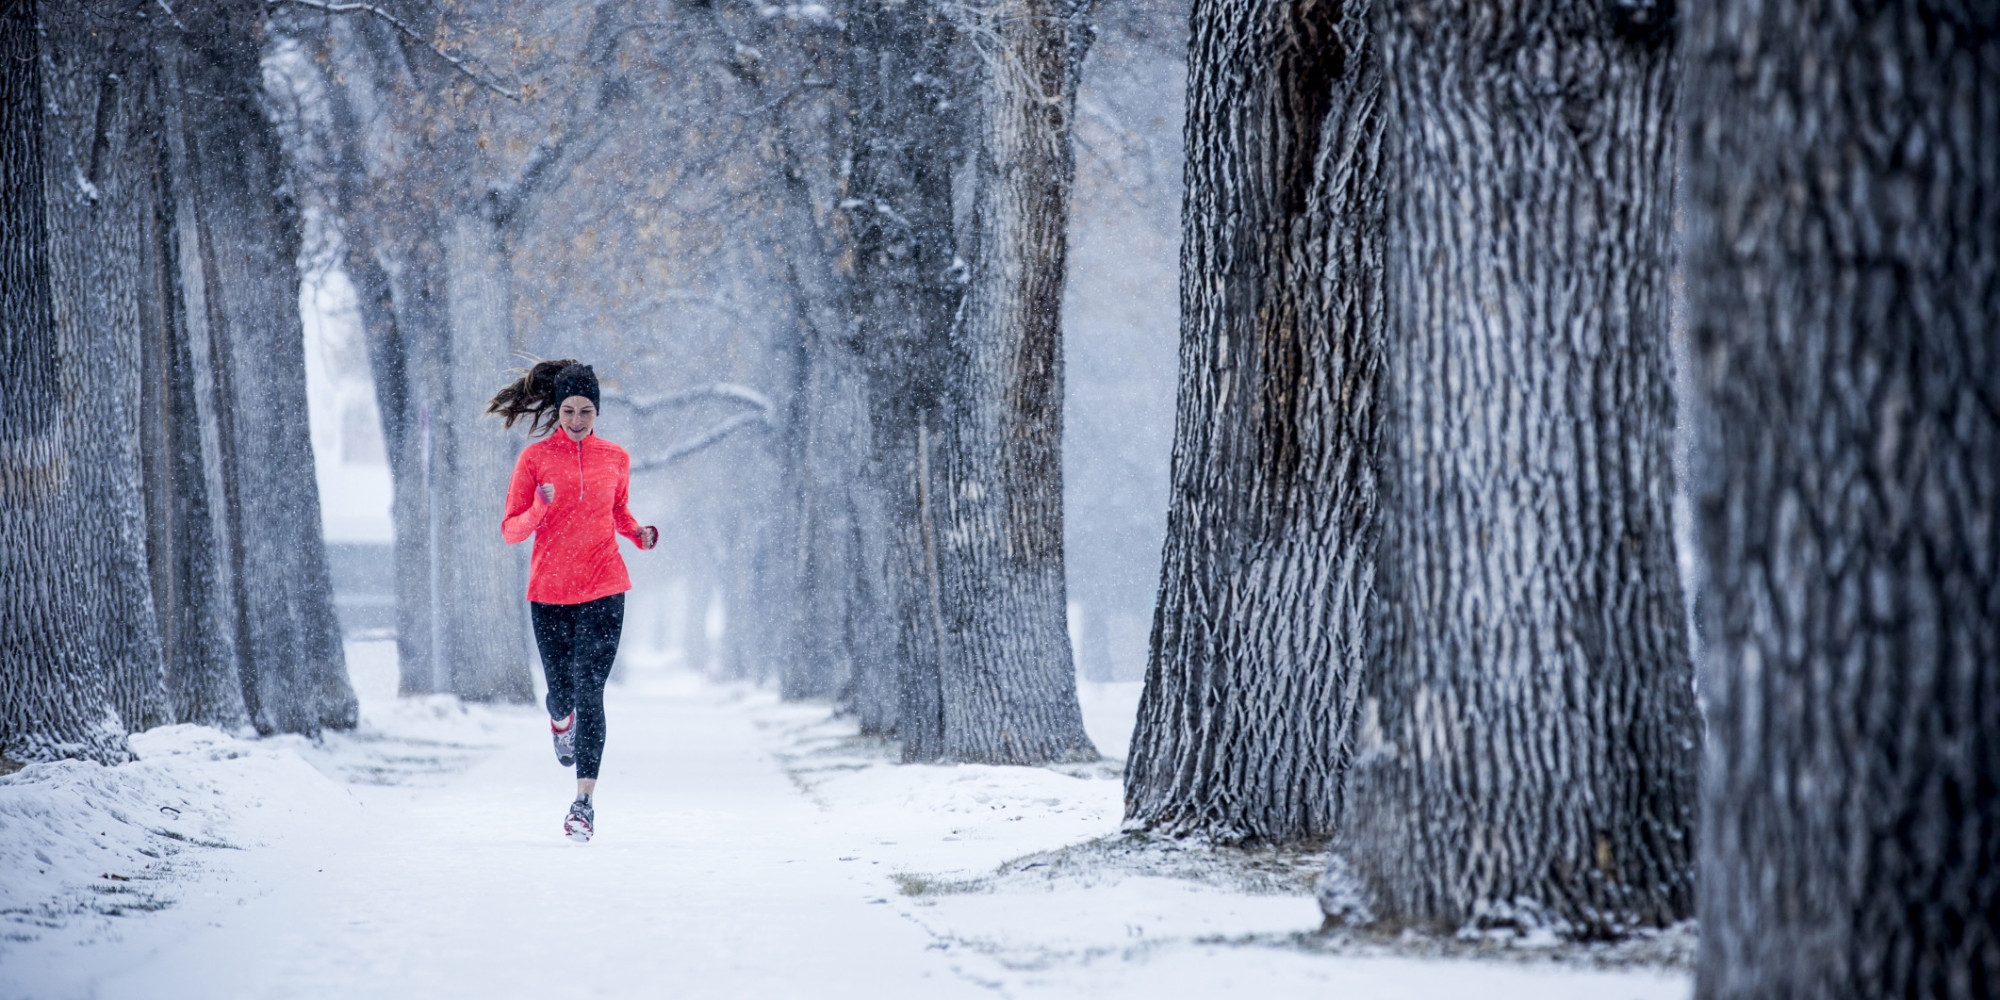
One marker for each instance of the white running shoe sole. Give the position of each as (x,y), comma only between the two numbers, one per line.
(578,829)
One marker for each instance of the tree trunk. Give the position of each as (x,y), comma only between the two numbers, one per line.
(908,137)
(246,239)
(842,629)
(1093,655)
(97,147)
(1844,299)
(1008,680)
(54,696)
(484,579)
(1257,636)
(1526,743)
(416,336)
(391,248)
(189,531)
(828,555)
(394,318)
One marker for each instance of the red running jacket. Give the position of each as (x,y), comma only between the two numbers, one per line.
(576,555)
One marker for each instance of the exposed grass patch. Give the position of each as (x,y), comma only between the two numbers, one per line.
(919,884)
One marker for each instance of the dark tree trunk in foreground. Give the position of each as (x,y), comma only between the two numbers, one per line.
(1844,298)
(1526,742)
(1264,585)
(55,699)
(97,133)
(1008,680)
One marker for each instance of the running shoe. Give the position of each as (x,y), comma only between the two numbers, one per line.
(565,739)
(577,825)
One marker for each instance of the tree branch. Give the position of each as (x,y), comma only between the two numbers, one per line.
(727,391)
(331,7)
(699,441)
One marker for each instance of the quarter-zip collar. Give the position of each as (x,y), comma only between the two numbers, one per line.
(578,444)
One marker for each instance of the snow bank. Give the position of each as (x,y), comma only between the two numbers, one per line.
(81,843)
(1024,878)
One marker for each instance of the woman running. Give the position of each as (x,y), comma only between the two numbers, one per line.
(569,492)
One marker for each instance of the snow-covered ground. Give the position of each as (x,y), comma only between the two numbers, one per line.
(747,848)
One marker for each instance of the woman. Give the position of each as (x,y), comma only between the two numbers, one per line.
(569,492)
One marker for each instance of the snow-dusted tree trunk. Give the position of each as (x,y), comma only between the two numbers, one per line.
(1257,637)
(908,138)
(243,248)
(188,521)
(1844,305)
(483,579)
(1526,742)
(55,697)
(99,196)
(1008,680)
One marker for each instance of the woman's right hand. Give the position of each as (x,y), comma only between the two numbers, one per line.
(548,492)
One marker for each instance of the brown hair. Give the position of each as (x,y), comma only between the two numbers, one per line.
(532,396)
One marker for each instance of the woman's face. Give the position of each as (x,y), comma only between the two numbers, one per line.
(576,417)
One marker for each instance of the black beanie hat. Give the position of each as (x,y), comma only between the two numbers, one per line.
(576,380)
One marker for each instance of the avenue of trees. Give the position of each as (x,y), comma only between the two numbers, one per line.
(1418,602)
(159,528)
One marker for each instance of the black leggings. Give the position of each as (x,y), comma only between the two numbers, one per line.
(578,643)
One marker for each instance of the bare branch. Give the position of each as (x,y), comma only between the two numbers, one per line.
(699,441)
(332,7)
(726,391)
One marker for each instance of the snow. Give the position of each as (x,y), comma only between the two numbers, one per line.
(747,847)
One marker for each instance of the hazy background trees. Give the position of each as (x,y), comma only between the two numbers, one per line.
(779,218)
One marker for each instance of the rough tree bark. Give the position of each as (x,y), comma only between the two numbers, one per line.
(98,203)
(1008,680)
(1257,636)
(1844,299)
(1526,743)
(54,696)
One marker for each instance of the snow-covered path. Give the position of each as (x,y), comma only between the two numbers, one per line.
(746,848)
(702,882)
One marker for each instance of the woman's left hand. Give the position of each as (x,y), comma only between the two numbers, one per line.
(649,536)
